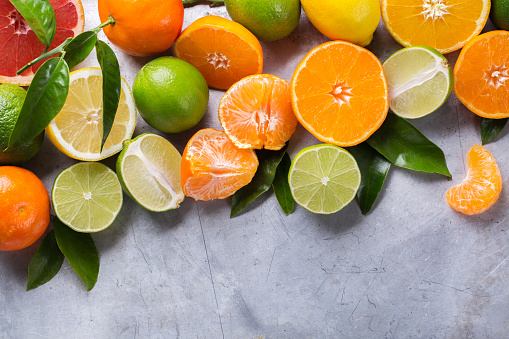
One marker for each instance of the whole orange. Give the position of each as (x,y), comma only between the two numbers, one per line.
(142,27)
(25,207)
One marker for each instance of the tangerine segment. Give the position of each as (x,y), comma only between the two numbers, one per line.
(213,167)
(222,50)
(256,112)
(339,93)
(481,75)
(482,186)
(445,25)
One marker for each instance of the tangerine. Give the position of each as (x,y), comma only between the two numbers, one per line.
(25,208)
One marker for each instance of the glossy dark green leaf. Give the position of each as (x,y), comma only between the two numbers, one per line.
(490,128)
(405,146)
(111,85)
(374,168)
(79,249)
(262,181)
(40,17)
(45,98)
(282,187)
(79,48)
(57,50)
(45,263)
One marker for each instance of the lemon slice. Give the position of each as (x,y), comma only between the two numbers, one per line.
(77,129)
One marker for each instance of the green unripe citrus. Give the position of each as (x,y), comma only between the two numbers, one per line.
(499,14)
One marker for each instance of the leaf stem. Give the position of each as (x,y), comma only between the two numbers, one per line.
(110,21)
(56,50)
(211,3)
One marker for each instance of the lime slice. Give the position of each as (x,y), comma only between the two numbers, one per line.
(149,170)
(324,178)
(87,197)
(419,79)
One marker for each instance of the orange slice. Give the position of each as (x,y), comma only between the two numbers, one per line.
(223,51)
(482,186)
(256,112)
(213,167)
(446,25)
(481,75)
(339,93)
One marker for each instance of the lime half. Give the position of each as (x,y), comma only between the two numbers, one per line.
(149,169)
(419,79)
(87,197)
(324,178)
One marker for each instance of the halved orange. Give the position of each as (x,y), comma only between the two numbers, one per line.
(481,75)
(482,186)
(213,167)
(339,93)
(256,112)
(223,51)
(446,25)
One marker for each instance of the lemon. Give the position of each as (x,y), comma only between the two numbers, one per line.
(350,20)
(77,128)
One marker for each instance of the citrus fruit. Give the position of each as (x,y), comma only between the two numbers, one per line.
(170,94)
(256,112)
(339,93)
(481,75)
(142,27)
(208,45)
(24,211)
(499,14)
(350,20)
(481,187)
(11,101)
(77,129)
(324,178)
(419,80)
(213,167)
(269,20)
(87,196)
(19,45)
(446,25)
(149,170)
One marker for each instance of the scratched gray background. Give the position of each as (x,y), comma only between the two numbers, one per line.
(412,268)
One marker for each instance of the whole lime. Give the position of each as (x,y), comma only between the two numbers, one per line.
(171,94)
(499,14)
(269,20)
(11,101)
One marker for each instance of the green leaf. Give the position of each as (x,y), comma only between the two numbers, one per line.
(79,249)
(282,187)
(40,17)
(45,98)
(80,48)
(111,86)
(374,168)
(45,263)
(490,128)
(262,181)
(405,146)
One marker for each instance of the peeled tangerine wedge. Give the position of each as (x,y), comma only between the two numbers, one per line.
(482,186)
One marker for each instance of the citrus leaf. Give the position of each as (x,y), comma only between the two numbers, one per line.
(45,263)
(405,146)
(262,181)
(79,249)
(40,17)
(79,48)
(45,98)
(111,85)
(490,128)
(282,187)
(374,168)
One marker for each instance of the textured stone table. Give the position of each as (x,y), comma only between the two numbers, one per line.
(411,268)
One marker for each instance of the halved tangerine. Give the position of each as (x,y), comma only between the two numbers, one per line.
(256,112)
(481,187)
(339,93)
(213,167)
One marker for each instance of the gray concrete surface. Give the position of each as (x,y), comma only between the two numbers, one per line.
(412,268)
